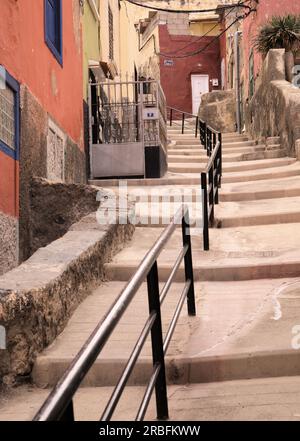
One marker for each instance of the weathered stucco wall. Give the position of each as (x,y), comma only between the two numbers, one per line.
(38,297)
(33,160)
(8,242)
(275,107)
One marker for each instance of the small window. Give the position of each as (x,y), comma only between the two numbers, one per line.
(53,27)
(251,75)
(55,152)
(9,116)
(111,33)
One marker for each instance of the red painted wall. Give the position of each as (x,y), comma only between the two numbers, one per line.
(265,10)
(25,55)
(9,186)
(176,79)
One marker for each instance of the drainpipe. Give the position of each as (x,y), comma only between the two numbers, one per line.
(238,80)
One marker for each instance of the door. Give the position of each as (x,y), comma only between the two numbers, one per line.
(200,85)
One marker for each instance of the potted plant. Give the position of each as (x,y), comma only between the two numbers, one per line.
(281,33)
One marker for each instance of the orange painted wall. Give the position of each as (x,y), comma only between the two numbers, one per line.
(9,185)
(24,53)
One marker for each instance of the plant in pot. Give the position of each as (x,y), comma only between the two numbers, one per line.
(281,33)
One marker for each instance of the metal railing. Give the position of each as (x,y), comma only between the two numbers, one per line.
(59,404)
(211,179)
(182,119)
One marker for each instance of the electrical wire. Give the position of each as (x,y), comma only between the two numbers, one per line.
(183,11)
(202,36)
(191,54)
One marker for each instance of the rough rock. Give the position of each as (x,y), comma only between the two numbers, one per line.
(38,297)
(55,206)
(275,107)
(217,109)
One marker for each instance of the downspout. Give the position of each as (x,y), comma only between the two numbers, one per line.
(238,80)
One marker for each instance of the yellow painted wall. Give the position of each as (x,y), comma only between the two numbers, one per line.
(91,41)
(211,28)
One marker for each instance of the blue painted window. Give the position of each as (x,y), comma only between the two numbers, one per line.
(53,28)
(9,115)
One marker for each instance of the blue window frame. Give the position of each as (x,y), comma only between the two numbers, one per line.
(10,116)
(53,28)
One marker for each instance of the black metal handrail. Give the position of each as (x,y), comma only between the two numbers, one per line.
(211,179)
(180,118)
(59,404)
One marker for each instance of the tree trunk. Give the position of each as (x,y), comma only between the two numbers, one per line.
(289,65)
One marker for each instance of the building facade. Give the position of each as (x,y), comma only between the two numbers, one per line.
(241,64)
(41,125)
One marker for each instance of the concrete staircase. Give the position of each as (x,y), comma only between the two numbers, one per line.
(235,359)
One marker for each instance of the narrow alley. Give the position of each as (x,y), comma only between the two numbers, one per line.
(150,212)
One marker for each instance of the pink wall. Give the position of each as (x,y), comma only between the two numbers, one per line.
(265,10)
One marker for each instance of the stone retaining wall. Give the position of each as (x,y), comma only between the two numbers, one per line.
(38,297)
(275,107)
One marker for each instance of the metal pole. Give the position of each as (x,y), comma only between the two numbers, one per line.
(237,81)
(183,116)
(157,344)
(204,211)
(211,196)
(90,128)
(197,123)
(188,263)
(171,117)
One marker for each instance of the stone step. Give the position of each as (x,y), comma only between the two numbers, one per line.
(258,399)
(240,253)
(237,344)
(157,214)
(279,172)
(226,150)
(248,191)
(292,169)
(233,167)
(261,212)
(270,188)
(228,157)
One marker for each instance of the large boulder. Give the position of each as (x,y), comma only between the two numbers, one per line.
(217,109)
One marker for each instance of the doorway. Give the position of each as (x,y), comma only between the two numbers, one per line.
(200,85)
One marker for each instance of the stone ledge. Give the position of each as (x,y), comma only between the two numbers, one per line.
(38,297)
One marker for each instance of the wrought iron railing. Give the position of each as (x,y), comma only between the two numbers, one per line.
(211,179)
(59,404)
(116,112)
(184,120)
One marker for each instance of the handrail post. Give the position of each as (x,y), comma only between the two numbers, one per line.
(183,118)
(211,196)
(188,263)
(220,162)
(68,414)
(171,117)
(205,211)
(216,179)
(197,123)
(157,344)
